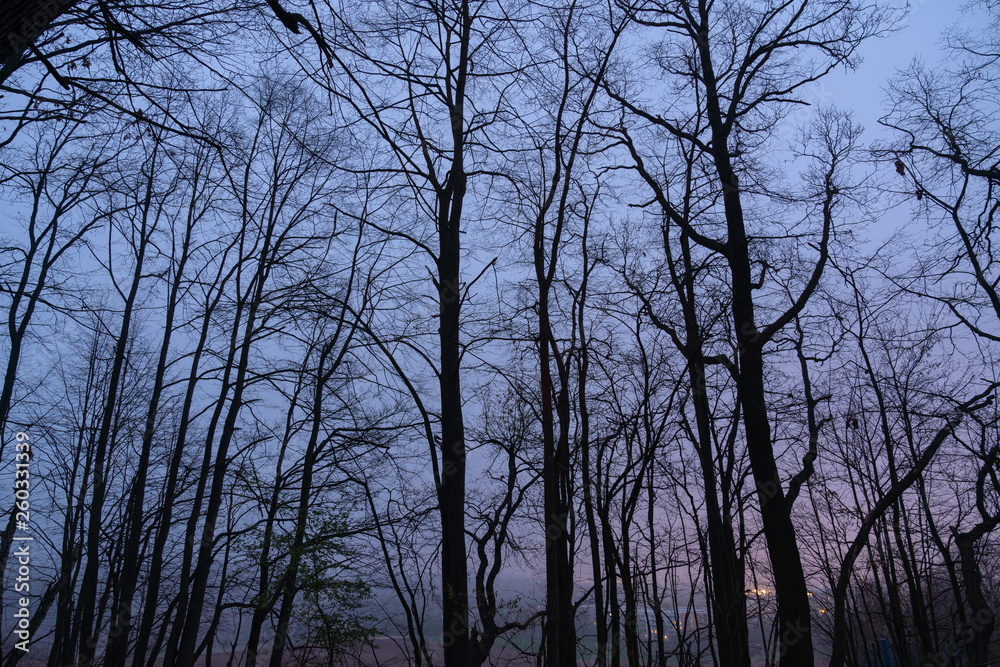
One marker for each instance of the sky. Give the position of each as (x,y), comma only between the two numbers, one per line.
(920,35)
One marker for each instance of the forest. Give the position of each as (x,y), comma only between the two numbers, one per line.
(550,333)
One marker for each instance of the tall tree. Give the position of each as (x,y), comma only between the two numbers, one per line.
(561,199)
(405,71)
(686,274)
(739,70)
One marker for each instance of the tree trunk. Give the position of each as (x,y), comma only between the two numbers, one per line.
(451,489)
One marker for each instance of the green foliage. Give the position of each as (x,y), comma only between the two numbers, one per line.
(328,616)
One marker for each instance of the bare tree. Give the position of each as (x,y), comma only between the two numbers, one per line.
(738,74)
(405,72)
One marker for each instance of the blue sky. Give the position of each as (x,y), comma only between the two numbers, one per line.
(920,35)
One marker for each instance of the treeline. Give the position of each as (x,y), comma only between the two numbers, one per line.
(328,322)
